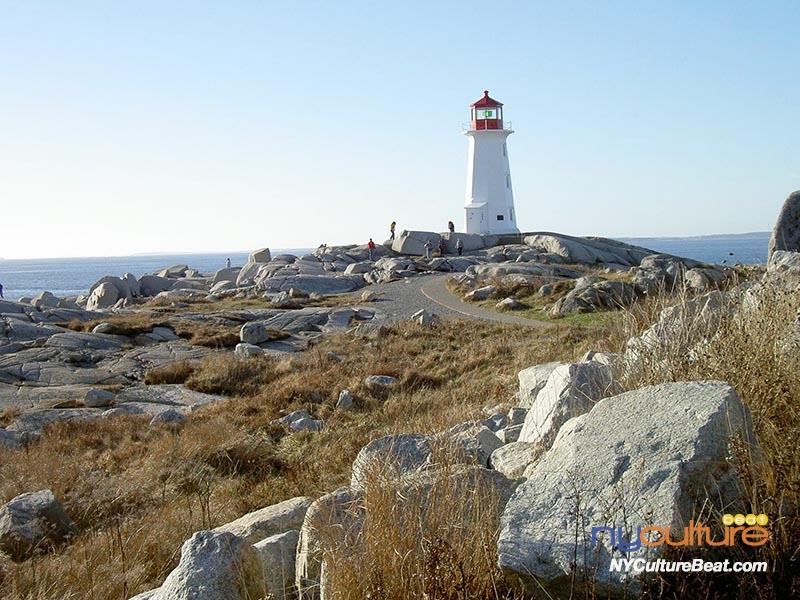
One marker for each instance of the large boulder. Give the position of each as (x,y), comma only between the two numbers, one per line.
(403,453)
(590,250)
(413,242)
(571,390)
(786,233)
(260,256)
(152,285)
(278,554)
(659,456)
(104,295)
(33,522)
(269,521)
(532,380)
(215,566)
(342,508)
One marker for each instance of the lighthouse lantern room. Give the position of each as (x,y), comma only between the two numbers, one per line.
(490,200)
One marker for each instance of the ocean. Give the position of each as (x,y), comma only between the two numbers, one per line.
(66,277)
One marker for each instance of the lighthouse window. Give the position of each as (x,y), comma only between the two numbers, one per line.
(504,149)
(499,217)
(508,181)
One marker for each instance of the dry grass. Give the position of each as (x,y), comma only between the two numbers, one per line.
(753,344)
(427,536)
(137,493)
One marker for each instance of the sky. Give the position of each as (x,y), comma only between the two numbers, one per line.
(194,126)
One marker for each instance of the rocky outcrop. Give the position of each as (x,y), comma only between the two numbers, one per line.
(658,456)
(590,250)
(402,454)
(570,391)
(786,233)
(33,522)
(215,566)
(269,521)
(593,293)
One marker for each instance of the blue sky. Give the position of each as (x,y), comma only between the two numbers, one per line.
(200,126)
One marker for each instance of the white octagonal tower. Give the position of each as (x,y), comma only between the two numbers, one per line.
(490,199)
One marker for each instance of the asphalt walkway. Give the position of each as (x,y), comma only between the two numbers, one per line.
(398,300)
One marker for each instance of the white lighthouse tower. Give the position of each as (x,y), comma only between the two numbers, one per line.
(490,199)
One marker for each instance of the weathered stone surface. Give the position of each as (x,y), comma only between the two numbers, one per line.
(169,418)
(255,332)
(32,522)
(532,380)
(588,250)
(269,521)
(481,293)
(786,233)
(474,442)
(95,398)
(342,508)
(398,454)
(424,318)
(277,554)
(260,256)
(45,300)
(514,457)
(591,294)
(245,350)
(104,295)
(77,340)
(345,400)
(215,566)
(571,390)
(508,304)
(152,285)
(655,456)
(306,424)
(380,382)
(413,242)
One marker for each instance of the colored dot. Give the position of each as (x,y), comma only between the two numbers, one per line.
(727,519)
(762,519)
(750,519)
(739,519)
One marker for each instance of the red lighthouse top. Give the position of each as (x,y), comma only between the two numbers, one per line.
(486,113)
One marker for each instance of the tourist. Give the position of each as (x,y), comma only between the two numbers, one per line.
(442,247)
(1,291)
(450,227)
(428,249)
(459,246)
(391,230)
(228,263)
(371,246)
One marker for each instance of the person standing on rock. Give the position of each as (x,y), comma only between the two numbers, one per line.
(451,227)
(459,246)
(1,291)
(391,230)
(428,248)
(442,247)
(228,263)
(371,247)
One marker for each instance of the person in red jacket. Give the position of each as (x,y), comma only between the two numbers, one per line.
(371,246)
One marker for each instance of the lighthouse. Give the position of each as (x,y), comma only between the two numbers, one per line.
(490,200)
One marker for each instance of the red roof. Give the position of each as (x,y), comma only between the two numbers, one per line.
(486,101)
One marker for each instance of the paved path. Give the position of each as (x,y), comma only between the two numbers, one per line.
(399,300)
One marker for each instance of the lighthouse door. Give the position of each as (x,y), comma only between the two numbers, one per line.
(476,218)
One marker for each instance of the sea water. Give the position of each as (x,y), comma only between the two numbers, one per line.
(66,277)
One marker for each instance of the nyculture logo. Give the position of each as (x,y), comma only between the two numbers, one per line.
(748,530)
